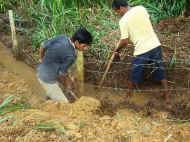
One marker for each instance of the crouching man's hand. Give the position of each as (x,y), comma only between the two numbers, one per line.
(68,85)
(67,82)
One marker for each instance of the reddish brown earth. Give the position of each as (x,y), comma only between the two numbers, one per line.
(99,115)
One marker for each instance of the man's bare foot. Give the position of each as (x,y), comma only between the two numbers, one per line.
(131,87)
(130,93)
(167,97)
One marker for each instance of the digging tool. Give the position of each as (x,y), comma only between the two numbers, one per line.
(108,67)
(68,91)
(71,95)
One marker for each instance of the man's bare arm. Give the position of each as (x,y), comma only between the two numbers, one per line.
(122,43)
(66,81)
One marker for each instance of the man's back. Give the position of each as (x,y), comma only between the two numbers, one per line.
(57,49)
(137,25)
(59,55)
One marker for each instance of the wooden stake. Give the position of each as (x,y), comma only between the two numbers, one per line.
(80,72)
(15,48)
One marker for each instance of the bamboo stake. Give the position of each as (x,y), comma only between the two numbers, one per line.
(80,72)
(15,48)
(107,68)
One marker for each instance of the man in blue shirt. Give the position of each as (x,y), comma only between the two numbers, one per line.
(56,57)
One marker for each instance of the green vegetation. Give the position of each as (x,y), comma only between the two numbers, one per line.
(7,106)
(46,126)
(6,102)
(161,9)
(50,127)
(4,119)
(47,19)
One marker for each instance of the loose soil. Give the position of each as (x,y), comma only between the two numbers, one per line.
(99,115)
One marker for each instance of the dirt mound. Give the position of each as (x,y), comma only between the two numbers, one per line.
(98,117)
(12,85)
(81,122)
(181,110)
(38,136)
(87,105)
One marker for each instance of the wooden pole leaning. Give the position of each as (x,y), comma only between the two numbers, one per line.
(15,48)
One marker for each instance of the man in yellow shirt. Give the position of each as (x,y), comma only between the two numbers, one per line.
(135,25)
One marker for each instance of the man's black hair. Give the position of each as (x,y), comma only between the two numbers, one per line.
(83,36)
(116,4)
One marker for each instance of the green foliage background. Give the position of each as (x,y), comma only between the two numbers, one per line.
(48,18)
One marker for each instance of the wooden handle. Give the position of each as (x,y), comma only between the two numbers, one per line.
(107,68)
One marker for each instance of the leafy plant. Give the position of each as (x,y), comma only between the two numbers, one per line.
(7,106)
(5,118)
(161,9)
(51,18)
(46,126)
(50,127)
(6,102)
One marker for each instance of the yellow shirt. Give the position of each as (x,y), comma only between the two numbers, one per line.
(136,26)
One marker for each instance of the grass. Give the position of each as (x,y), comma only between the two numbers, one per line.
(51,18)
(7,106)
(5,118)
(6,102)
(161,9)
(46,126)
(58,127)
(50,127)
(50,23)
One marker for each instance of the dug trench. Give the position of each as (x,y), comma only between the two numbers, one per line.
(174,37)
(149,94)
(114,99)
(103,114)
(99,115)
